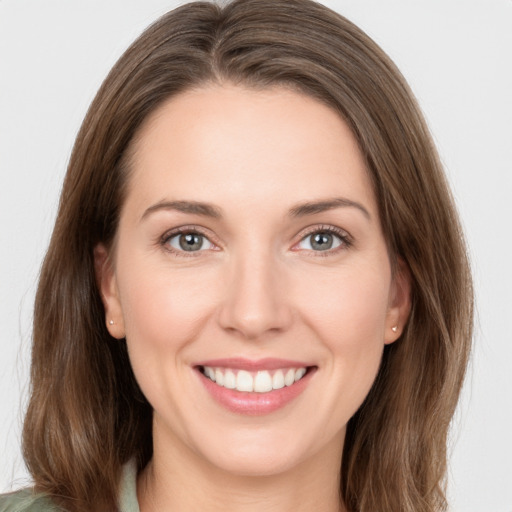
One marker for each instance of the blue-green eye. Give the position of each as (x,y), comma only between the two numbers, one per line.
(189,242)
(321,241)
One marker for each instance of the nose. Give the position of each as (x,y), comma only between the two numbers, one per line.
(255,302)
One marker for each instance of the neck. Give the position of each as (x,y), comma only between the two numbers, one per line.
(183,482)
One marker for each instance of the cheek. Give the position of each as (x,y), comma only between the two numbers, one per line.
(161,307)
(347,312)
(347,305)
(164,313)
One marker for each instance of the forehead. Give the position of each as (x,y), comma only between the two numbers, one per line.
(230,143)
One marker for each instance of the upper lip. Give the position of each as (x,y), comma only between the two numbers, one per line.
(241,363)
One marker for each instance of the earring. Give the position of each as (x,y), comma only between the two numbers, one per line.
(111,322)
(394,328)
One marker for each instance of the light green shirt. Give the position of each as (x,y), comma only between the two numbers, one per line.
(26,501)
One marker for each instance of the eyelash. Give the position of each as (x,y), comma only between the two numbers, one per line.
(345,238)
(183,230)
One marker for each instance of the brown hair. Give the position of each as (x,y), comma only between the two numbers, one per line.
(87,416)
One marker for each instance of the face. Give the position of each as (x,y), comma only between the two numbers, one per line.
(249,253)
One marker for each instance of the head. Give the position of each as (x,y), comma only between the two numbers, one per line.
(83,386)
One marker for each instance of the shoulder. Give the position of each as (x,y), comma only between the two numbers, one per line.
(25,501)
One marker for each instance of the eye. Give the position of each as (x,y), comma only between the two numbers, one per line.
(323,240)
(189,242)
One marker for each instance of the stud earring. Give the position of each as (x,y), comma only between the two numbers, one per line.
(111,322)
(394,328)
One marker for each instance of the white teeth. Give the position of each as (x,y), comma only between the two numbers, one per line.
(300,373)
(260,382)
(263,382)
(289,378)
(219,377)
(244,381)
(229,380)
(278,380)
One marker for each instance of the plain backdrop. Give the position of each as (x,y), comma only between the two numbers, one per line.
(457,56)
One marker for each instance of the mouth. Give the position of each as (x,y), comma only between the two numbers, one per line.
(261,381)
(254,387)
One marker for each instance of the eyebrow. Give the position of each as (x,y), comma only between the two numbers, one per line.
(194,207)
(300,210)
(313,207)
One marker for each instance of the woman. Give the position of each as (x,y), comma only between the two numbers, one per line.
(245,303)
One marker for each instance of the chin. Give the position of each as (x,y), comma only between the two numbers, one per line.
(256,463)
(261,453)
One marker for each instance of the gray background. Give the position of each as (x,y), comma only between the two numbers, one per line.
(457,56)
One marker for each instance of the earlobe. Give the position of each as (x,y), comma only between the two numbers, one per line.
(399,303)
(107,285)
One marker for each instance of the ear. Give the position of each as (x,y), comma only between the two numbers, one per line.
(399,305)
(107,285)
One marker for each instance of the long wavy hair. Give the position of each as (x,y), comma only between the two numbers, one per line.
(87,416)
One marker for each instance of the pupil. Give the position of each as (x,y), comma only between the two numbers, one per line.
(322,241)
(191,242)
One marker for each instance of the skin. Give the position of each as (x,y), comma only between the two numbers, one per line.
(256,289)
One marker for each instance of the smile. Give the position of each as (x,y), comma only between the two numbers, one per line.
(261,381)
(254,387)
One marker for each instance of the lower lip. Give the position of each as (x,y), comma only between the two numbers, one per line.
(255,404)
